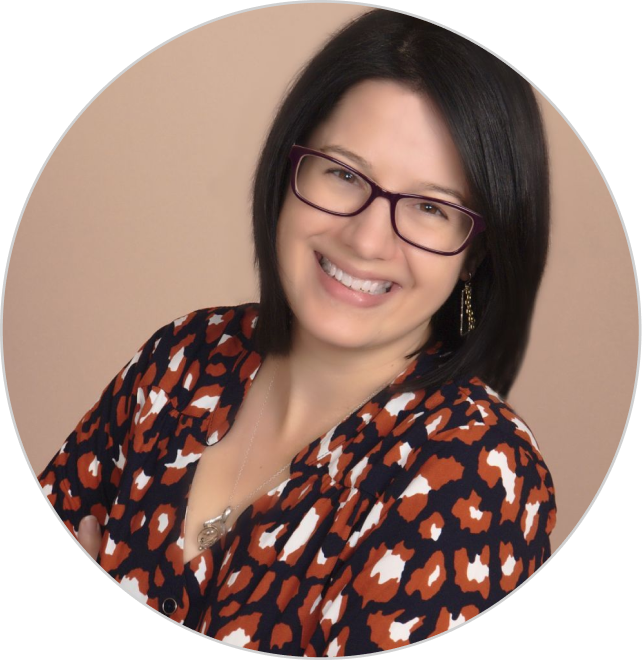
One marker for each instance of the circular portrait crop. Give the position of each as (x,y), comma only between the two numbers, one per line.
(319,345)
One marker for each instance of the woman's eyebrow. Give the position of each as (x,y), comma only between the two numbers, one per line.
(348,154)
(432,187)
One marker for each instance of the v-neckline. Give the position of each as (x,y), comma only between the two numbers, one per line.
(299,456)
(223,543)
(306,451)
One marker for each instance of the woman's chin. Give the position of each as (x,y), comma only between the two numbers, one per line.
(339,334)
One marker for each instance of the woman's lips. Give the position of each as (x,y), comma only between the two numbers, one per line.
(319,256)
(341,292)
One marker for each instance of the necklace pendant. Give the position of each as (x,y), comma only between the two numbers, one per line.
(213,530)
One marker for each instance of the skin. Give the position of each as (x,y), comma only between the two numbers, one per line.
(89,535)
(343,353)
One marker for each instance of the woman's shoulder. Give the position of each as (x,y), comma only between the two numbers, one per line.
(477,451)
(468,412)
(466,426)
(207,325)
(224,319)
(185,344)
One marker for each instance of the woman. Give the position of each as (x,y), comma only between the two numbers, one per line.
(334,470)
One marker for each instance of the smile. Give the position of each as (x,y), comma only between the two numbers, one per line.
(371,287)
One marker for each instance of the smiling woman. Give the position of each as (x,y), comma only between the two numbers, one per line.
(334,470)
(401,139)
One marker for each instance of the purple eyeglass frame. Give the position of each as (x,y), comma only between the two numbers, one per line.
(297,152)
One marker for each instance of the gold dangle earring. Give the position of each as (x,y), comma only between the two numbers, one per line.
(466,297)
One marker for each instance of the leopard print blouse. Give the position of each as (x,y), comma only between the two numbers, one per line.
(408,518)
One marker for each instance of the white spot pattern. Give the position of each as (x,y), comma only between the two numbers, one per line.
(404,450)
(531,510)
(400,632)
(433,425)
(356,471)
(183,461)
(418,486)
(207,402)
(301,534)
(321,558)
(110,546)
(141,481)
(498,459)
(389,567)
(434,575)
(453,623)
(399,403)
(522,427)
(201,571)
(120,461)
(158,399)
(317,600)
(237,637)
(332,609)
(333,648)
(477,571)
(509,565)
(492,392)
(163,522)
(175,362)
(93,467)
(132,362)
(475,513)
(372,519)
(267,539)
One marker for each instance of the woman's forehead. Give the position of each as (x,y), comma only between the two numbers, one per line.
(393,134)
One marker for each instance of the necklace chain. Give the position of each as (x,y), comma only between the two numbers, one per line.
(215,528)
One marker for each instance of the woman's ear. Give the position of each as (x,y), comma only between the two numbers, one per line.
(478,256)
(472,261)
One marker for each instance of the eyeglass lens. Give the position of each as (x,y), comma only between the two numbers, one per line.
(429,224)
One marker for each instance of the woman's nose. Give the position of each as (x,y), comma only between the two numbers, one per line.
(370,233)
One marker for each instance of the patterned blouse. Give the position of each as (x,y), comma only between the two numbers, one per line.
(411,516)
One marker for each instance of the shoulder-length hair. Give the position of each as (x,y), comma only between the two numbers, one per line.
(496,125)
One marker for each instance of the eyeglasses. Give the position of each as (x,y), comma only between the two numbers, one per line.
(430,224)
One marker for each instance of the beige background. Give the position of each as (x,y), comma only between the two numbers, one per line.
(142,214)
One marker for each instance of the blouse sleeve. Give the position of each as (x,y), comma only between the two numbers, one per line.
(82,478)
(468,525)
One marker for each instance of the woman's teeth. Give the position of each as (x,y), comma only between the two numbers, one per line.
(375,288)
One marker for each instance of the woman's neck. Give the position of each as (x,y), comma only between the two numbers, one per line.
(317,384)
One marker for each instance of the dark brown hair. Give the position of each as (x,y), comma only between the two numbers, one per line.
(496,125)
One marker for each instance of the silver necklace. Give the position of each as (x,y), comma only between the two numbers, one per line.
(216,528)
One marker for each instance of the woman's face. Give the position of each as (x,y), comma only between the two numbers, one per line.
(398,139)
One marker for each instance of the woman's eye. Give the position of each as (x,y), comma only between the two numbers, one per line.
(344,175)
(431,209)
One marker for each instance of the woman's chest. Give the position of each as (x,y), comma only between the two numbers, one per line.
(230,475)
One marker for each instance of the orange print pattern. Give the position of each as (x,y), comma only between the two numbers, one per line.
(412,516)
